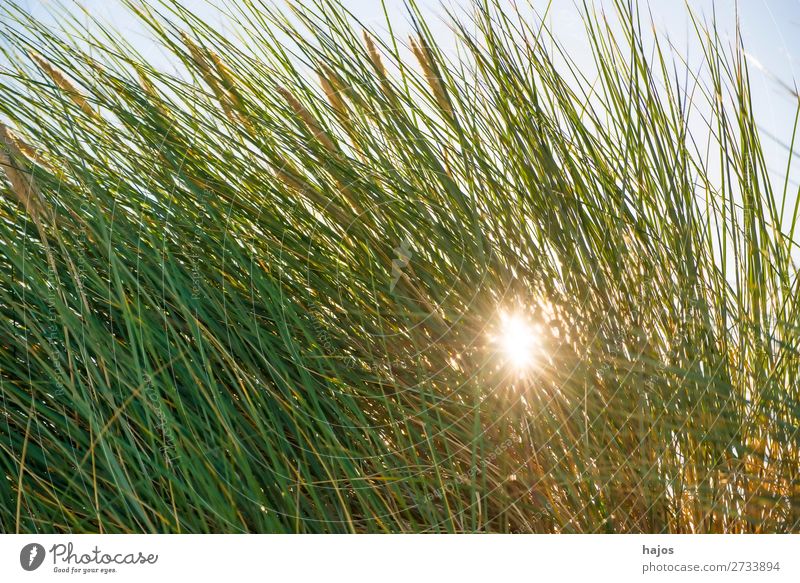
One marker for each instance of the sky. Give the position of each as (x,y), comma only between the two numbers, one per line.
(770,31)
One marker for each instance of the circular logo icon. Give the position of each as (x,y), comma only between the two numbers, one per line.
(31,556)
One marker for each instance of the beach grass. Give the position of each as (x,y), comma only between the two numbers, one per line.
(260,291)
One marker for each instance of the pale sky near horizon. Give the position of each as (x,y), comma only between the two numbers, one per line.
(770,31)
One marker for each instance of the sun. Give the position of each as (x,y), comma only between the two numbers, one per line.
(518,340)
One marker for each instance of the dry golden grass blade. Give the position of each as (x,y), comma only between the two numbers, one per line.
(151,91)
(308,119)
(332,86)
(230,104)
(423,55)
(374,54)
(377,62)
(23,188)
(19,146)
(332,93)
(229,84)
(65,85)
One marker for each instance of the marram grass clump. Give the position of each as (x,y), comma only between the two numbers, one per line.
(323,279)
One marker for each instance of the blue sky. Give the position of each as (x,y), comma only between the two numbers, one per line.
(770,30)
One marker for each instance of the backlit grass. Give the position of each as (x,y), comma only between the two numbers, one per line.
(271,293)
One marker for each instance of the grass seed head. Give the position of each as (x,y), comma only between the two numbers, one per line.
(374,54)
(230,86)
(64,84)
(223,88)
(22,187)
(332,93)
(20,147)
(425,59)
(307,118)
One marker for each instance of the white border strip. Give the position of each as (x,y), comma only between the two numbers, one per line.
(402,558)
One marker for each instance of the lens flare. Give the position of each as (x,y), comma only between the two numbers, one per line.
(518,340)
